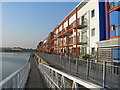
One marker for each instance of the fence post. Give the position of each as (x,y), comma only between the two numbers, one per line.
(76,65)
(57,78)
(63,61)
(60,60)
(13,82)
(104,73)
(69,62)
(57,58)
(18,81)
(76,86)
(63,82)
(87,71)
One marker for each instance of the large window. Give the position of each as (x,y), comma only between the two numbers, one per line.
(92,13)
(93,32)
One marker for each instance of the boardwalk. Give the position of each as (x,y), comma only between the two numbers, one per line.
(35,80)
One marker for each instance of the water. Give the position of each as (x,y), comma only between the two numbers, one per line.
(10,62)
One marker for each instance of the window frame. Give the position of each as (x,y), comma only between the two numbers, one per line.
(93,29)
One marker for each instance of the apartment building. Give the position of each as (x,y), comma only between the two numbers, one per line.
(83,31)
(109,49)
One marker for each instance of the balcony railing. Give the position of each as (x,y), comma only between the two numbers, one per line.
(82,39)
(82,23)
(72,24)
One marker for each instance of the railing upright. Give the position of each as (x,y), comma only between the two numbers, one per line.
(87,69)
(69,63)
(76,65)
(104,73)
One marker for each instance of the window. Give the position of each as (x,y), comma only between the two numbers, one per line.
(93,32)
(93,51)
(112,27)
(92,13)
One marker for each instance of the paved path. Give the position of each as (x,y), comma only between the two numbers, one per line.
(35,80)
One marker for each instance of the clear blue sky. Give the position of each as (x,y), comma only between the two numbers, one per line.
(27,23)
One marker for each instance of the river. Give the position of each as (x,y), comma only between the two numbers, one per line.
(10,62)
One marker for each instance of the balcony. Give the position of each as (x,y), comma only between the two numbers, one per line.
(113,4)
(82,23)
(60,44)
(60,32)
(82,39)
(72,24)
(65,35)
(66,28)
(71,32)
(72,40)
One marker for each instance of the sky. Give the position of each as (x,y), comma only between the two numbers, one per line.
(25,24)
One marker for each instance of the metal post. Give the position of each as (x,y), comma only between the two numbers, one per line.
(13,82)
(18,86)
(87,71)
(69,63)
(76,65)
(63,61)
(60,59)
(76,86)
(104,73)
(57,78)
(56,58)
(52,75)
(63,82)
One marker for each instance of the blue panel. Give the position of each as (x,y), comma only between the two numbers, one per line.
(112,34)
(118,31)
(102,20)
(114,18)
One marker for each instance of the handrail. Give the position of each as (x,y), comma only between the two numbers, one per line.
(76,80)
(104,73)
(21,78)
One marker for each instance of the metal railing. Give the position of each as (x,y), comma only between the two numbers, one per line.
(60,80)
(17,79)
(104,73)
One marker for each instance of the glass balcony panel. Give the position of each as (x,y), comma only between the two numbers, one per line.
(82,23)
(82,39)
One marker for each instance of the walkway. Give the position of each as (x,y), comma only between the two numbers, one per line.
(35,79)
